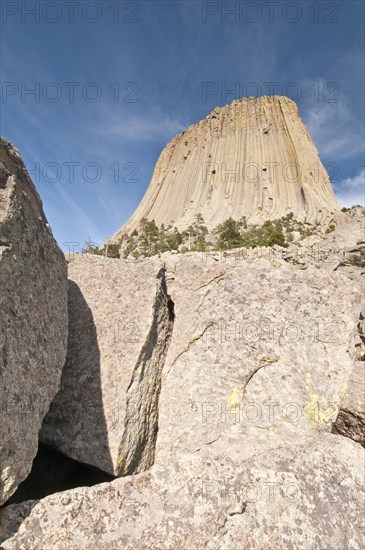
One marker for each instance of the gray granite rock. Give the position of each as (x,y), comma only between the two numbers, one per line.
(33,319)
(106,411)
(259,355)
(305,496)
(350,421)
(243,382)
(12,516)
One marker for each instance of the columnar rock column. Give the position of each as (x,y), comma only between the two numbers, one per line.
(253,158)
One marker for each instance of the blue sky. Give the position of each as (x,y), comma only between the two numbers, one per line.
(114,81)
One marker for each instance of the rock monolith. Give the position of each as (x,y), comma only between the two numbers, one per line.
(252,158)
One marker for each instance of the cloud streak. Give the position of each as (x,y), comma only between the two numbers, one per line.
(352,190)
(153,126)
(335,130)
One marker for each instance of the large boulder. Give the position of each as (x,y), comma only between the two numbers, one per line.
(33,319)
(307,495)
(259,354)
(120,322)
(227,401)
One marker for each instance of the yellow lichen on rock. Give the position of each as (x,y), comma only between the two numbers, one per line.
(319,409)
(235,398)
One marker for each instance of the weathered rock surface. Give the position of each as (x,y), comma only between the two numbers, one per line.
(307,495)
(12,516)
(247,358)
(244,382)
(120,321)
(253,158)
(350,421)
(258,354)
(33,319)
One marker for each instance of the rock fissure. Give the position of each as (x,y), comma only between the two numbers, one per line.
(202,301)
(218,278)
(242,510)
(137,447)
(255,371)
(190,344)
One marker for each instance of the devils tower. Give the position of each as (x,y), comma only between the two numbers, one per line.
(252,158)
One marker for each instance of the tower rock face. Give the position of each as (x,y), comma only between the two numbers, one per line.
(252,158)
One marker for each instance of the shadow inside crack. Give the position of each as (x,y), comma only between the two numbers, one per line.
(51,473)
(75,424)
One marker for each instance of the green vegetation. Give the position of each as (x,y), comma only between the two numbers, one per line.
(90,247)
(150,239)
(268,234)
(195,234)
(111,250)
(233,234)
(230,233)
(345,209)
(330,228)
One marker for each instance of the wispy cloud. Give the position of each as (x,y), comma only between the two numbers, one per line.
(152,127)
(352,190)
(336,131)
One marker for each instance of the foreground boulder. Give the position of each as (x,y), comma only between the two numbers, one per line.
(33,319)
(120,322)
(257,352)
(218,385)
(306,495)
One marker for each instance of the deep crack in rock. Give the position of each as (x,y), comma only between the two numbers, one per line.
(137,447)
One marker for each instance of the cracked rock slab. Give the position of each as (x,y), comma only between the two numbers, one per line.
(304,496)
(309,495)
(259,356)
(33,319)
(120,321)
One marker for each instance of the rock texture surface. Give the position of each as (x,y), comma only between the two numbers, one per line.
(350,421)
(216,379)
(236,341)
(120,322)
(257,367)
(304,496)
(259,354)
(33,319)
(253,158)
(12,516)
